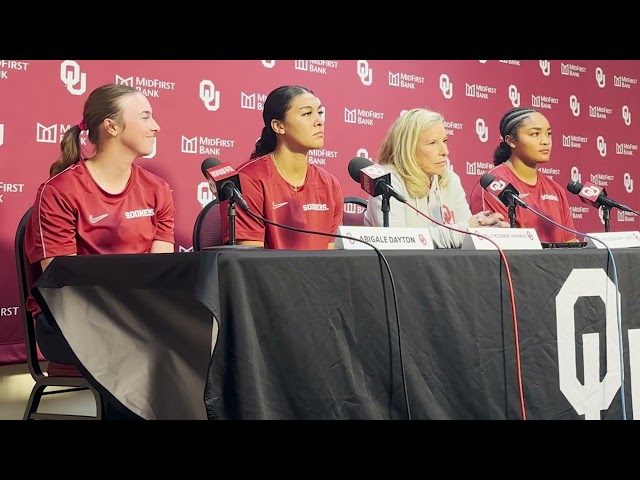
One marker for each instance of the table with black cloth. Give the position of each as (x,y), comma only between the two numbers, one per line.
(263,334)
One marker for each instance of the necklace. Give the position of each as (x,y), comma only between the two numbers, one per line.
(95,169)
(293,185)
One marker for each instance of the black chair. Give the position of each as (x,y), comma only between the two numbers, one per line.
(354,208)
(207,230)
(27,273)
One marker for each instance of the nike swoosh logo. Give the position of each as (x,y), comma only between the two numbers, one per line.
(523,195)
(93,219)
(278,205)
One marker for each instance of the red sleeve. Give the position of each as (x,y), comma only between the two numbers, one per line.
(53,226)
(338,206)
(165,216)
(247,227)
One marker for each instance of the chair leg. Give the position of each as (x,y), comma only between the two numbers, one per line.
(34,401)
(99,409)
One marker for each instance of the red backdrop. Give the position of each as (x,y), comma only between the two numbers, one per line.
(213,108)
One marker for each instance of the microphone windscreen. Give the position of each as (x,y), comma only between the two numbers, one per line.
(209,163)
(574,187)
(356,164)
(486,180)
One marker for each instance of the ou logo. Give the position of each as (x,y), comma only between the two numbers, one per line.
(591,191)
(590,392)
(498,185)
(375,171)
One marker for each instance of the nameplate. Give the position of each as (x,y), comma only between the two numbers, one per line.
(384,238)
(505,238)
(613,239)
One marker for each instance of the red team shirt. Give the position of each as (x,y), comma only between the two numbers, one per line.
(546,197)
(317,206)
(73,215)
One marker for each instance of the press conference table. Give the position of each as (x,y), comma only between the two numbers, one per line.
(255,334)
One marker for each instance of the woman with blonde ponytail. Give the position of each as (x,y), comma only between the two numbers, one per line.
(104,204)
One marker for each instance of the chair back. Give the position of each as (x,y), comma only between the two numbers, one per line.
(354,208)
(27,275)
(65,377)
(207,230)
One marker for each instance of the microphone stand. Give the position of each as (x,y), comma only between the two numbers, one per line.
(232,220)
(606,216)
(512,214)
(386,196)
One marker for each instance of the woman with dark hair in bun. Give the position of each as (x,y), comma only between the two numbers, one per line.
(526,144)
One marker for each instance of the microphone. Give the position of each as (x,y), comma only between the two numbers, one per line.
(373,179)
(502,189)
(224,181)
(596,196)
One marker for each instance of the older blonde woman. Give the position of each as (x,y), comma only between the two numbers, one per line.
(415,152)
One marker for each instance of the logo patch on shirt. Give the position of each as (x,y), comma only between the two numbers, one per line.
(319,207)
(549,196)
(278,205)
(146,212)
(93,219)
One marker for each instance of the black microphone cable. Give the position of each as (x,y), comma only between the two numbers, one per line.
(618,312)
(511,297)
(393,289)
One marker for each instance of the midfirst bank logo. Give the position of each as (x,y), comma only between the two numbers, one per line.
(209,95)
(601,179)
(6,65)
(361,117)
(254,101)
(315,66)
(599,112)
(571,70)
(268,63)
(626,149)
(573,141)
(515,63)
(543,101)
(549,172)
(74,79)
(1,134)
(319,156)
(406,80)
(451,127)
(54,133)
(446,86)
(478,168)
(479,91)
(205,145)
(150,87)
(618,81)
(365,72)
